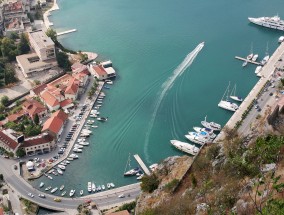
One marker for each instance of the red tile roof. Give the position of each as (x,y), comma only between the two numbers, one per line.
(55,122)
(65,102)
(37,90)
(1,211)
(41,139)
(12,144)
(33,107)
(60,114)
(72,88)
(99,70)
(16,116)
(49,98)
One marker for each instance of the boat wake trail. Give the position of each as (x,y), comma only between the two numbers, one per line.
(166,86)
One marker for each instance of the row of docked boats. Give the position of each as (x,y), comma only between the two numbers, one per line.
(199,136)
(91,186)
(55,189)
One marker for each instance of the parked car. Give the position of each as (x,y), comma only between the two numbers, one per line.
(41,195)
(121,196)
(57,199)
(30,195)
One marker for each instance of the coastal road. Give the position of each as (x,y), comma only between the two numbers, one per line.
(102,199)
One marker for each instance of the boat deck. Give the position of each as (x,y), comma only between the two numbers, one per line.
(142,164)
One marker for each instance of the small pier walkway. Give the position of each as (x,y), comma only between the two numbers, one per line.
(142,164)
(249,61)
(66,32)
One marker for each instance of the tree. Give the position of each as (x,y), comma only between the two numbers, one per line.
(5,100)
(52,34)
(36,119)
(10,74)
(14,36)
(23,45)
(63,62)
(150,183)
(20,152)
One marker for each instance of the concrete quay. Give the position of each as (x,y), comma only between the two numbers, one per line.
(266,74)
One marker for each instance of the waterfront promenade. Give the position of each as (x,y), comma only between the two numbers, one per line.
(47,13)
(266,74)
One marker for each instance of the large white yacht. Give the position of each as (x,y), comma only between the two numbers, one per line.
(211,125)
(270,22)
(225,103)
(185,147)
(195,138)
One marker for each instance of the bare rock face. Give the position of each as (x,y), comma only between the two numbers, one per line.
(171,168)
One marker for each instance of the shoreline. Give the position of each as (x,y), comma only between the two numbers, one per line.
(46,21)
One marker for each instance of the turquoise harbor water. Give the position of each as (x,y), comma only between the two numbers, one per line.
(147,41)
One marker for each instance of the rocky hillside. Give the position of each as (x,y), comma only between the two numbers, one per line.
(236,176)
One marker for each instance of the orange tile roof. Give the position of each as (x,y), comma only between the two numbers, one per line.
(33,107)
(72,87)
(60,114)
(37,90)
(1,211)
(49,98)
(16,116)
(99,70)
(8,141)
(65,102)
(53,124)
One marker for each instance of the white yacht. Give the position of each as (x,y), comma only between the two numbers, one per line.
(225,103)
(195,138)
(74,156)
(258,69)
(211,125)
(77,150)
(89,186)
(207,130)
(265,59)
(93,187)
(254,58)
(54,190)
(185,147)
(79,145)
(270,22)
(72,192)
(233,95)
(203,134)
(84,143)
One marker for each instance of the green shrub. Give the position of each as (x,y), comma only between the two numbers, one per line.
(149,183)
(169,187)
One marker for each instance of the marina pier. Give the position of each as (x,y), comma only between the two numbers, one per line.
(142,164)
(266,74)
(66,32)
(249,61)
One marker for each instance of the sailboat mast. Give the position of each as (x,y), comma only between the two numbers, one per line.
(127,163)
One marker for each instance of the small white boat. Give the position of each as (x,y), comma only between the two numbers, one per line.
(54,190)
(103,187)
(112,185)
(109,82)
(140,177)
(66,161)
(108,186)
(103,119)
(61,187)
(79,145)
(59,171)
(81,192)
(63,163)
(281,39)
(74,156)
(89,186)
(84,143)
(81,140)
(87,131)
(258,69)
(233,95)
(195,138)
(98,105)
(84,135)
(99,188)
(208,132)
(48,188)
(244,63)
(49,177)
(63,193)
(254,58)
(77,150)
(61,167)
(265,59)
(72,192)
(99,102)
(70,159)
(212,125)
(250,56)
(94,126)
(93,115)
(41,184)
(93,187)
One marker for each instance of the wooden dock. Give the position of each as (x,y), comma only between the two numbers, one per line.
(66,32)
(142,165)
(249,61)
